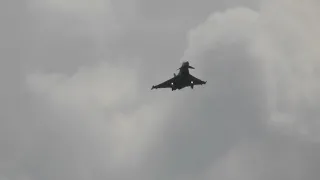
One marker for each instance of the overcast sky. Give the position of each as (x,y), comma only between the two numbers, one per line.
(76,102)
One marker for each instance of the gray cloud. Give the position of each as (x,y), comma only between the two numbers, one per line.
(280,44)
(282,47)
(81,105)
(286,45)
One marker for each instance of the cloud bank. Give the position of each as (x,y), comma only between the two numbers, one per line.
(282,37)
(256,118)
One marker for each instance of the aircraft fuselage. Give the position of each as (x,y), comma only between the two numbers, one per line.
(182,80)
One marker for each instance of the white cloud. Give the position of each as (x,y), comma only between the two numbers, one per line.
(96,97)
(133,134)
(283,37)
(102,85)
(237,164)
(286,42)
(221,28)
(99,126)
(276,159)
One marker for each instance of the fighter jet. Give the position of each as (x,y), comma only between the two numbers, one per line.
(182,80)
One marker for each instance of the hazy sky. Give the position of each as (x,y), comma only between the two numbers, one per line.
(76,102)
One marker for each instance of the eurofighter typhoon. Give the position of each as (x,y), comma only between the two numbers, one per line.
(182,80)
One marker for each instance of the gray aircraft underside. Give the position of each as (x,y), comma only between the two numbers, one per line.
(182,80)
